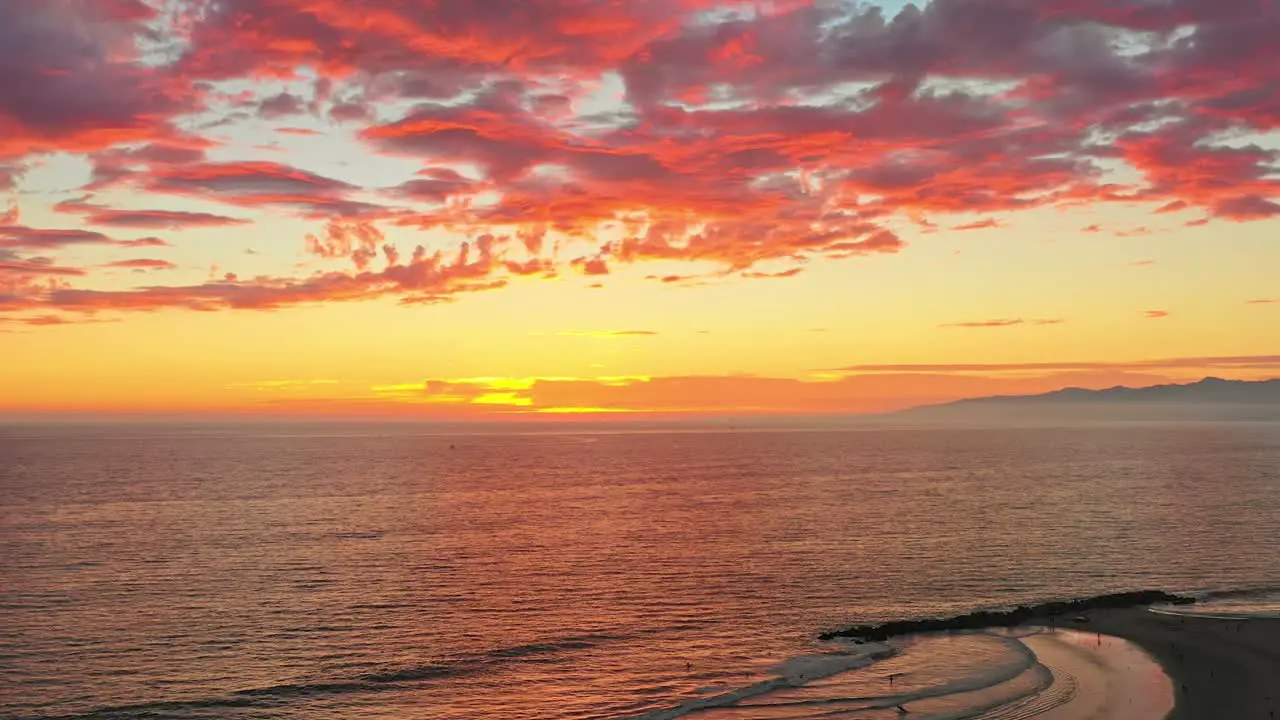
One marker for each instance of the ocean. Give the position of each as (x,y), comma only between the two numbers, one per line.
(335,570)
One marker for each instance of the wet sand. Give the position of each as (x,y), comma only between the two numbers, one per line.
(1220,668)
(1099,677)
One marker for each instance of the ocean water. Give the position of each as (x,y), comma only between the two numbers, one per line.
(396,571)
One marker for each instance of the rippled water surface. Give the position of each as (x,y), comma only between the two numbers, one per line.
(381,571)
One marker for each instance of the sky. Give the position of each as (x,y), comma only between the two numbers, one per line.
(550,208)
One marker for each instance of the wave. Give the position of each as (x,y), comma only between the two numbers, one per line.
(991,677)
(1250,593)
(1037,687)
(382,679)
(1230,604)
(789,674)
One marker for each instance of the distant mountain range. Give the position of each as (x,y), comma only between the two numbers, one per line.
(1210,398)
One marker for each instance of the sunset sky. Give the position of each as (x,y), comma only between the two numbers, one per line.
(491,208)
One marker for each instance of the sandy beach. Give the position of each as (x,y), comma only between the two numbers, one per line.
(1221,668)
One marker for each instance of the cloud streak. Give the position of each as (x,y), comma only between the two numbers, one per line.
(1208,363)
(143,264)
(1003,323)
(606,334)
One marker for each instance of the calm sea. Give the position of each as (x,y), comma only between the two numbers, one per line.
(385,571)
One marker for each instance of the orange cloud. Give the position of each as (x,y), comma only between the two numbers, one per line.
(701,395)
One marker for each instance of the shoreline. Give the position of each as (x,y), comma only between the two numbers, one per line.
(1220,668)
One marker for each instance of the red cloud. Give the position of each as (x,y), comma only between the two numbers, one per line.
(427,277)
(24,281)
(1156,314)
(72,80)
(356,240)
(793,132)
(20,236)
(792,272)
(37,268)
(143,264)
(245,181)
(591,266)
(143,242)
(40,320)
(148,219)
(438,185)
(1247,207)
(980,225)
(9,174)
(281,105)
(258,184)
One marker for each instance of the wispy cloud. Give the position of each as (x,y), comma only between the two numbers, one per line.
(1004,322)
(1238,362)
(980,225)
(605,334)
(283,384)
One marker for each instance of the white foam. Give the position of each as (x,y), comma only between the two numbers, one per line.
(791,673)
(806,668)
